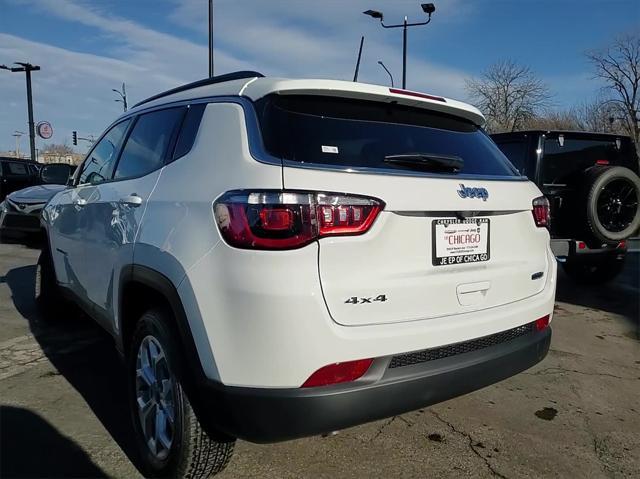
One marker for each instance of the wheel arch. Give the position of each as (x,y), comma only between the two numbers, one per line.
(142,288)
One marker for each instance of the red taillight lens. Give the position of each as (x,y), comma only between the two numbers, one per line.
(338,373)
(542,323)
(277,219)
(287,220)
(541,213)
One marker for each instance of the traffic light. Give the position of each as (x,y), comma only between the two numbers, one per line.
(75,138)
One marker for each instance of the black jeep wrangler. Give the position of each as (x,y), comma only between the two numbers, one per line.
(591,181)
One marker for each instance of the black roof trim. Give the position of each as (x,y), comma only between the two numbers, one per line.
(567,132)
(206,81)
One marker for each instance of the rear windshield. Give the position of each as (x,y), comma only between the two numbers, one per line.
(354,133)
(562,163)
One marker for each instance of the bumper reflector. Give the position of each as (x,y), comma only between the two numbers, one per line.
(338,373)
(542,323)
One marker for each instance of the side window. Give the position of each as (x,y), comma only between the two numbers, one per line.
(19,169)
(147,145)
(97,167)
(189,130)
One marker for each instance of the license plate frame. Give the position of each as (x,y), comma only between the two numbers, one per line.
(460,254)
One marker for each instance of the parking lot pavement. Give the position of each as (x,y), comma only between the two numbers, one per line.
(577,414)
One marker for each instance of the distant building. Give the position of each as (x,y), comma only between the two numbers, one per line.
(71,159)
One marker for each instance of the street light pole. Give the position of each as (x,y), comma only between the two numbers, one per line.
(210,38)
(32,126)
(27,68)
(427,8)
(404,54)
(388,72)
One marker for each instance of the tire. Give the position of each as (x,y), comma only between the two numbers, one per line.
(46,291)
(612,211)
(585,272)
(183,450)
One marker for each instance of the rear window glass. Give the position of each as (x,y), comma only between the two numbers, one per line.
(561,163)
(354,133)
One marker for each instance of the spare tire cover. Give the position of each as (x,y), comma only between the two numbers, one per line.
(612,210)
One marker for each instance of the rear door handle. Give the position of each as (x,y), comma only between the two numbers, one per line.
(132,200)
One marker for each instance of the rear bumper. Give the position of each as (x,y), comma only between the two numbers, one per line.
(567,248)
(271,415)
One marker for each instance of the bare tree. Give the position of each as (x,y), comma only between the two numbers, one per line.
(598,115)
(509,95)
(619,67)
(553,120)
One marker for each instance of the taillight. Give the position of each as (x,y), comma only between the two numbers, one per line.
(286,220)
(338,373)
(541,213)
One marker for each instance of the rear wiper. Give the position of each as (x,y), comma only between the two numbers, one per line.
(427,161)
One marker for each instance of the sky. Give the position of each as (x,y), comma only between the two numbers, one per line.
(86,48)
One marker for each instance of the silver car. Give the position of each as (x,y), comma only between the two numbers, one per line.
(20,210)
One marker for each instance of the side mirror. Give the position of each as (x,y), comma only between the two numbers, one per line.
(56,174)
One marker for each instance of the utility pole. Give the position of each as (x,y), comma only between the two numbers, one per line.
(123,96)
(210,38)
(27,68)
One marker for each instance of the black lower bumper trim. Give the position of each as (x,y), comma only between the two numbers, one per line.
(271,415)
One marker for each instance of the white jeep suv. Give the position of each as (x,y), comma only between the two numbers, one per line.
(282,258)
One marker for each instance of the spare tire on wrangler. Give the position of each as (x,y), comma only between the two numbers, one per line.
(612,211)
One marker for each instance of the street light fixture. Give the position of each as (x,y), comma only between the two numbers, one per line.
(27,68)
(427,8)
(388,72)
(18,134)
(374,14)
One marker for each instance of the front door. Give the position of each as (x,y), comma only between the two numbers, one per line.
(68,214)
(115,212)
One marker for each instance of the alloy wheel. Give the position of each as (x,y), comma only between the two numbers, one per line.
(155,397)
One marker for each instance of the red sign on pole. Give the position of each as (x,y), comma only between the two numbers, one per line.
(44,130)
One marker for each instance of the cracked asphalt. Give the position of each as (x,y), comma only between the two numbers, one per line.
(63,410)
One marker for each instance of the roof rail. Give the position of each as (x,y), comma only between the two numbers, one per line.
(206,81)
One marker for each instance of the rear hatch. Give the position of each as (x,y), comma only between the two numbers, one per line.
(447,242)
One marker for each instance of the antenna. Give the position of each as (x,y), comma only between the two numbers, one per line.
(355,75)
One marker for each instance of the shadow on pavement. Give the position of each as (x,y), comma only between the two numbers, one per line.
(31,447)
(31,241)
(84,355)
(621,296)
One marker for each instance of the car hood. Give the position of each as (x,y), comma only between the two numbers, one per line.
(35,194)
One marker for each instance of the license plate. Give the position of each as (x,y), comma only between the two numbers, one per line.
(458,241)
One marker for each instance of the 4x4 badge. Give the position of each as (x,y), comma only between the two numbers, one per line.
(468,192)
